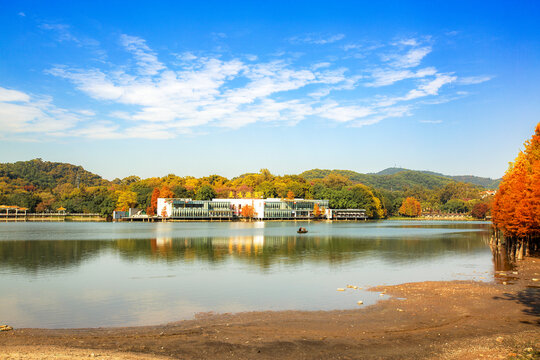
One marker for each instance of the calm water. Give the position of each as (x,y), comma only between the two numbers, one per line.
(57,275)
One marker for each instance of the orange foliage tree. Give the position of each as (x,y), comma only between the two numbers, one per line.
(164,212)
(248,211)
(516,206)
(316,211)
(290,195)
(165,192)
(410,207)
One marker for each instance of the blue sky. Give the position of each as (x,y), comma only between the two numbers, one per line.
(151,88)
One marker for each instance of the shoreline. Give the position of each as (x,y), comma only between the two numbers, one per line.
(429,320)
(69,219)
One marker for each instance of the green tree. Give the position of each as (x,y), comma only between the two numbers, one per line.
(455,206)
(205,192)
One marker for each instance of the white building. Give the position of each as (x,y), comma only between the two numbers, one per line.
(231,208)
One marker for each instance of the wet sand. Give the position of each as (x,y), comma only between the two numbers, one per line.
(428,320)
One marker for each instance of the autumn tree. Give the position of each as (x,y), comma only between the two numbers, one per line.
(248,211)
(479,210)
(516,206)
(317,211)
(290,195)
(164,212)
(410,207)
(166,192)
(126,200)
(151,210)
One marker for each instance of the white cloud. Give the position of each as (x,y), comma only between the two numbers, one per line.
(472,80)
(22,14)
(431,121)
(352,47)
(13,95)
(383,77)
(382,114)
(146,59)
(344,113)
(426,88)
(20,113)
(407,53)
(158,100)
(316,39)
(62,32)
(411,58)
(320,65)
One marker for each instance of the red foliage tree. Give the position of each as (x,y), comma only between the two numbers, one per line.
(479,210)
(151,210)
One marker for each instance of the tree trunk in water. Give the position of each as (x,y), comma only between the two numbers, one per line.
(520,250)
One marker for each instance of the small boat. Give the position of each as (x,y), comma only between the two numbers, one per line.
(302,230)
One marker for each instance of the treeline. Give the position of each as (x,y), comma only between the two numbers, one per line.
(516,207)
(46,186)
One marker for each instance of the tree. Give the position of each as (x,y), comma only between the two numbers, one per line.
(268,189)
(336,181)
(126,200)
(248,211)
(205,192)
(410,207)
(290,195)
(317,211)
(479,210)
(455,206)
(181,192)
(516,206)
(166,192)
(151,210)
(164,212)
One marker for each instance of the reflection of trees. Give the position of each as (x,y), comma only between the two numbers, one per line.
(33,256)
(260,251)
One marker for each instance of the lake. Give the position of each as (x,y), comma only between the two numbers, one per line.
(57,275)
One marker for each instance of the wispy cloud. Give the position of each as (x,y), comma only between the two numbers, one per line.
(431,121)
(472,80)
(383,77)
(316,39)
(62,32)
(149,98)
(146,58)
(21,113)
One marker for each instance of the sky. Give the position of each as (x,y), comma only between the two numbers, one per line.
(198,88)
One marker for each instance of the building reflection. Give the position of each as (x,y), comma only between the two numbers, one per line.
(258,250)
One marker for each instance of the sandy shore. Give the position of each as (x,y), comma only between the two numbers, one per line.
(428,320)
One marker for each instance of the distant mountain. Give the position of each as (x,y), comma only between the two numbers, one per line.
(399,178)
(487,183)
(47,175)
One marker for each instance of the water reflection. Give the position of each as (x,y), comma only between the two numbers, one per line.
(79,275)
(259,251)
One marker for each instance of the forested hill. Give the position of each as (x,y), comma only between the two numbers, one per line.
(487,183)
(400,179)
(47,175)
(43,186)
